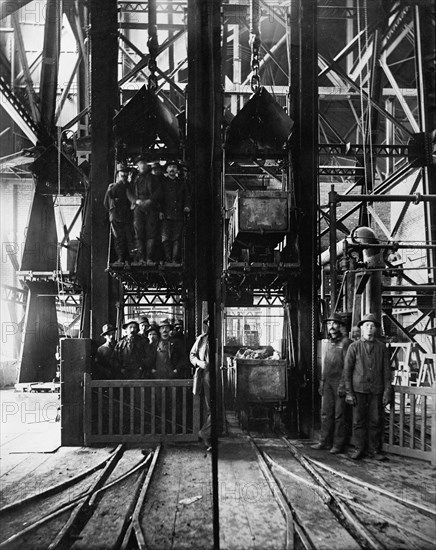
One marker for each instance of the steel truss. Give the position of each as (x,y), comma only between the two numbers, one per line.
(374,122)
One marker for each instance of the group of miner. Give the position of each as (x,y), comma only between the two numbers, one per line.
(355,373)
(147,208)
(144,351)
(155,351)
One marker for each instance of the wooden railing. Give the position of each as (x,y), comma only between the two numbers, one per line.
(412,423)
(140,411)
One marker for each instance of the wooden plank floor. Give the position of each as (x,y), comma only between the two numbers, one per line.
(249,514)
(178,507)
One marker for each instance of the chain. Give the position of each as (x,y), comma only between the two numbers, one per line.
(254,43)
(153,45)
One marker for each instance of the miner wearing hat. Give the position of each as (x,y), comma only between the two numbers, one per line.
(169,357)
(368,388)
(104,362)
(333,431)
(145,195)
(117,205)
(143,324)
(131,355)
(156,168)
(175,203)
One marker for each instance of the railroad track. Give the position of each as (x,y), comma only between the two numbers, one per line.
(105,499)
(324,508)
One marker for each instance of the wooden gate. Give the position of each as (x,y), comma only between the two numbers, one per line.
(140,411)
(412,423)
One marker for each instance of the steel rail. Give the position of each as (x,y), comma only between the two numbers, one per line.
(80,513)
(279,495)
(351,501)
(341,510)
(410,504)
(135,529)
(63,508)
(79,499)
(56,488)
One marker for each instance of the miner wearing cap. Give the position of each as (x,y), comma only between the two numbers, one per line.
(368,388)
(333,430)
(131,355)
(145,194)
(104,362)
(117,203)
(175,203)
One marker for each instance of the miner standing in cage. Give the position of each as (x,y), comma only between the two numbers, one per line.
(145,194)
(117,204)
(175,204)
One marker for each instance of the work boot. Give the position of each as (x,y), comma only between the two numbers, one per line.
(318,446)
(335,450)
(356,454)
(375,455)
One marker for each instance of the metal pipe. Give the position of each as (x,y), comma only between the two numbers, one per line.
(400,288)
(417,197)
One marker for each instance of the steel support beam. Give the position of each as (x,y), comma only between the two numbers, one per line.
(8,7)
(40,331)
(25,66)
(40,334)
(18,113)
(205,108)
(78,17)
(104,101)
(425,51)
(304,94)
(50,65)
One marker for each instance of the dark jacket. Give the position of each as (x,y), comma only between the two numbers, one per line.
(104,359)
(367,367)
(132,357)
(173,358)
(175,198)
(117,203)
(146,187)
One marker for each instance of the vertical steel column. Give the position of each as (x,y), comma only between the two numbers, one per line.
(306,192)
(204,117)
(425,51)
(50,64)
(104,100)
(40,331)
